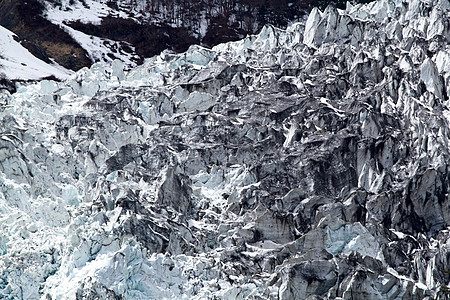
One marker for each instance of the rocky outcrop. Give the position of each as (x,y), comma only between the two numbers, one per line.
(294,164)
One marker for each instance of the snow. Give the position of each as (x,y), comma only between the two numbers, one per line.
(92,12)
(17,63)
(99,48)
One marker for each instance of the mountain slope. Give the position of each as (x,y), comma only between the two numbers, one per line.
(17,63)
(306,163)
(76,34)
(41,37)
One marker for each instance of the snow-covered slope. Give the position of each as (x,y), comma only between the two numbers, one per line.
(77,33)
(92,11)
(307,163)
(17,63)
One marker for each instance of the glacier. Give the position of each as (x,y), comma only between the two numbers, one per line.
(306,163)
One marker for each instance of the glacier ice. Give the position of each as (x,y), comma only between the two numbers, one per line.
(306,162)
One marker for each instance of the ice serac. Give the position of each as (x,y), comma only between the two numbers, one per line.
(430,76)
(307,163)
(314,30)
